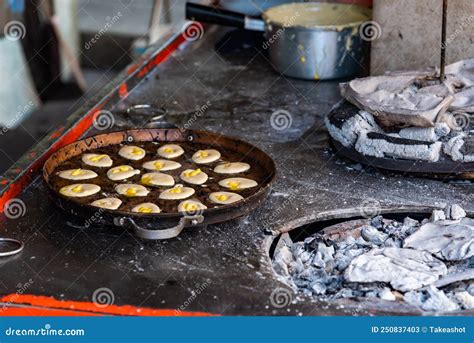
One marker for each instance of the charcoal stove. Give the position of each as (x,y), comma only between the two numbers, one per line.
(347,141)
(228,262)
(316,260)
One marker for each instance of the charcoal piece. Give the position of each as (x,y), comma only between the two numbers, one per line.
(377,222)
(453,277)
(352,127)
(427,134)
(431,299)
(404,269)
(382,145)
(460,148)
(448,240)
(437,215)
(410,222)
(454,212)
(464,299)
(371,234)
(386,294)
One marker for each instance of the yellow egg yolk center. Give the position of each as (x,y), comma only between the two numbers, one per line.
(77,189)
(193,173)
(77,172)
(203,154)
(234,185)
(137,151)
(222,197)
(144,209)
(190,207)
(131,191)
(97,158)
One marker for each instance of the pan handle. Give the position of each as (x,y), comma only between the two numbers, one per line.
(213,15)
(162,234)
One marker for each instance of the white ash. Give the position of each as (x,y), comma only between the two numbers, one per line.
(348,134)
(426,144)
(431,299)
(427,134)
(373,262)
(382,148)
(404,269)
(454,148)
(450,240)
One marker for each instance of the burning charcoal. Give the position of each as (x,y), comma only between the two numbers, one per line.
(296,267)
(460,148)
(345,126)
(427,134)
(455,212)
(343,259)
(371,234)
(345,293)
(299,251)
(437,215)
(470,289)
(324,255)
(410,222)
(465,299)
(346,243)
(377,222)
(448,241)
(432,299)
(404,269)
(392,243)
(362,243)
(383,145)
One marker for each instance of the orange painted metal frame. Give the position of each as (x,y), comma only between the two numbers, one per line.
(35,305)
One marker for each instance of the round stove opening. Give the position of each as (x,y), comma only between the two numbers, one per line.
(398,263)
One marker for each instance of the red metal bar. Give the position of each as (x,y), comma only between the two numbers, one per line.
(48,306)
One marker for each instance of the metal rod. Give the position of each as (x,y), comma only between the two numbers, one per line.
(443,41)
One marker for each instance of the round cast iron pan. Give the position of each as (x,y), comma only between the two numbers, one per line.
(163,225)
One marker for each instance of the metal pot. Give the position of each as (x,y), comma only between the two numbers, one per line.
(311,52)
